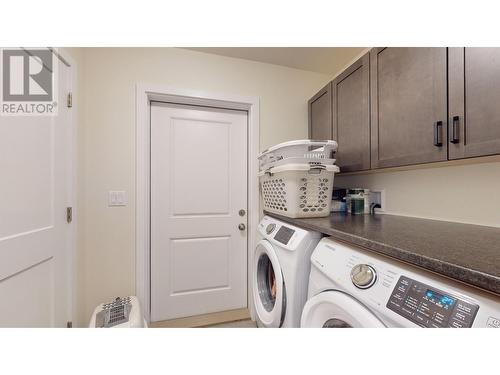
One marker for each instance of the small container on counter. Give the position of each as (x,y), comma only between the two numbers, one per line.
(339,200)
(357,201)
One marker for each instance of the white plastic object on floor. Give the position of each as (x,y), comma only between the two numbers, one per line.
(299,151)
(122,312)
(298,190)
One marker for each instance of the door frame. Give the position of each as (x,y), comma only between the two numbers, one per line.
(145,94)
(74,297)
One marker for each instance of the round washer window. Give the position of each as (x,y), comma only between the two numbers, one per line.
(335,323)
(266,282)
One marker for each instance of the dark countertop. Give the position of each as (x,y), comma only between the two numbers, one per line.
(465,252)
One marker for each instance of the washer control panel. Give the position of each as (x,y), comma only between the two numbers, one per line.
(430,307)
(284,234)
(270,228)
(363,276)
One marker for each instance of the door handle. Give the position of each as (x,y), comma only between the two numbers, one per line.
(455,137)
(438,139)
(242,227)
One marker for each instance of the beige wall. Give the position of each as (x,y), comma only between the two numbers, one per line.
(106,253)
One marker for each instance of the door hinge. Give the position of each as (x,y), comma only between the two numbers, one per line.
(70,100)
(69,324)
(69,214)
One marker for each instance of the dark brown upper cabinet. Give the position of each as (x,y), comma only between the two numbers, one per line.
(403,106)
(408,106)
(474,102)
(351,116)
(320,114)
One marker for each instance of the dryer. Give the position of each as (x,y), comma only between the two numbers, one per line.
(281,266)
(351,287)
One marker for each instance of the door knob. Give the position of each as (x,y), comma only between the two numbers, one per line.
(241,226)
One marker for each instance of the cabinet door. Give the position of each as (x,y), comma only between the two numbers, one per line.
(320,114)
(408,106)
(351,116)
(474,91)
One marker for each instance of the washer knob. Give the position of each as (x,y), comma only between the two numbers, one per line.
(270,228)
(363,276)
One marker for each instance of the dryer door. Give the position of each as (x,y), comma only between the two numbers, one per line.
(334,309)
(268,286)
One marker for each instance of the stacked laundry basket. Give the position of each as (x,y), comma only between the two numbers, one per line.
(296,178)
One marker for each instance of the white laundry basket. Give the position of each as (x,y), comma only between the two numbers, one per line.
(298,190)
(300,151)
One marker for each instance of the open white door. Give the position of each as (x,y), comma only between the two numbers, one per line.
(35,189)
(198,210)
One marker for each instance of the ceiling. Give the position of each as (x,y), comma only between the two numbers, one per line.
(326,60)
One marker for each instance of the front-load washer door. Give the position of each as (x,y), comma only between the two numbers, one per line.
(268,286)
(334,309)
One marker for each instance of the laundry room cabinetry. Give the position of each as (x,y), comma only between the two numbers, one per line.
(320,114)
(341,111)
(408,107)
(351,116)
(474,97)
(403,106)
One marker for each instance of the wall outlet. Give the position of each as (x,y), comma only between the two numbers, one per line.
(378,196)
(117,198)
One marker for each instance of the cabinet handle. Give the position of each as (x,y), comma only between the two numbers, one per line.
(455,137)
(438,139)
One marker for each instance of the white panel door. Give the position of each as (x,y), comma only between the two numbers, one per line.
(198,187)
(35,168)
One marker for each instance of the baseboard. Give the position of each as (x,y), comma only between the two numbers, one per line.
(203,320)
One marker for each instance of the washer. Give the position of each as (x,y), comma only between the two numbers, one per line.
(350,287)
(281,266)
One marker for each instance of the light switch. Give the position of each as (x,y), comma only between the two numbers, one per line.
(117,198)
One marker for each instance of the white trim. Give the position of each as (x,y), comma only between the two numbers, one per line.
(145,93)
(73,297)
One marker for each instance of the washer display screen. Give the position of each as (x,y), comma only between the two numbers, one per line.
(436,297)
(284,234)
